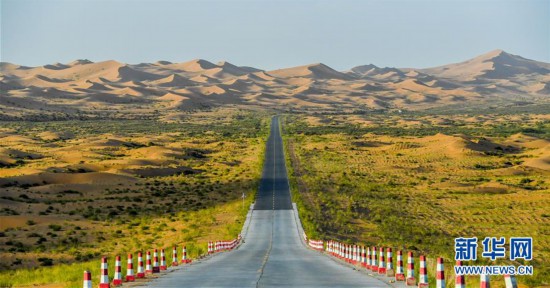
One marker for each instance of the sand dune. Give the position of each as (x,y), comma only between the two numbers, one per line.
(173,80)
(204,79)
(86,88)
(495,64)
(317,71)
(196,65)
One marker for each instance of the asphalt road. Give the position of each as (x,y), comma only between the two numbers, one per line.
(274,193)
(273,253)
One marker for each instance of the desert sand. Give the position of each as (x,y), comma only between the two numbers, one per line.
(110,89)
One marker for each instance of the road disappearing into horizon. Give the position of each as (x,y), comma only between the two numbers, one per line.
(273,253)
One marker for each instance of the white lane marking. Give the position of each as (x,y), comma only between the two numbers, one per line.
(274,169)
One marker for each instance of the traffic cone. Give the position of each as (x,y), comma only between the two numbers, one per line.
(184,256)
(140,270)
(410,281)
(484,281)
(374,264)
(175,256)
(459,279)
(130,269)
(382,263)
(423,276)
(440,273)
(148,266)
(389,266)
(510,281)
(162,260)
(399,272)
(104,277)
(87,283)
(117,280)
(156,268)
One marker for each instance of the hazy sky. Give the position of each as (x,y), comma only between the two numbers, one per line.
(273,34)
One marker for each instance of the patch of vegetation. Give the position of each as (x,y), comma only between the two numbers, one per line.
(144,212)
(364,184)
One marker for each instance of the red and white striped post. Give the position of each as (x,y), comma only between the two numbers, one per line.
(184,256)
(389,266)
(210,248)
(140,270)
(410,281)
(363,257)
(104,277)
(162,260)
(374,264)
(148,267)
(423,276)
(175,256)
(382,263)
(130,269)
(87,283)
(510,281)
(156,268)
(359,255)
(399,271)
(369,262)
(346,252)
(459,279)
(440,274)
(117,280)
(484,281)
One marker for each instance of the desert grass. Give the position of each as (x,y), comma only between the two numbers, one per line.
(74,191)
(413,188)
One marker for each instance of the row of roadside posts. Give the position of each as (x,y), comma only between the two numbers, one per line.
(379,261)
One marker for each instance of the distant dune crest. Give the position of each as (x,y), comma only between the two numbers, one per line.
(84,87)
